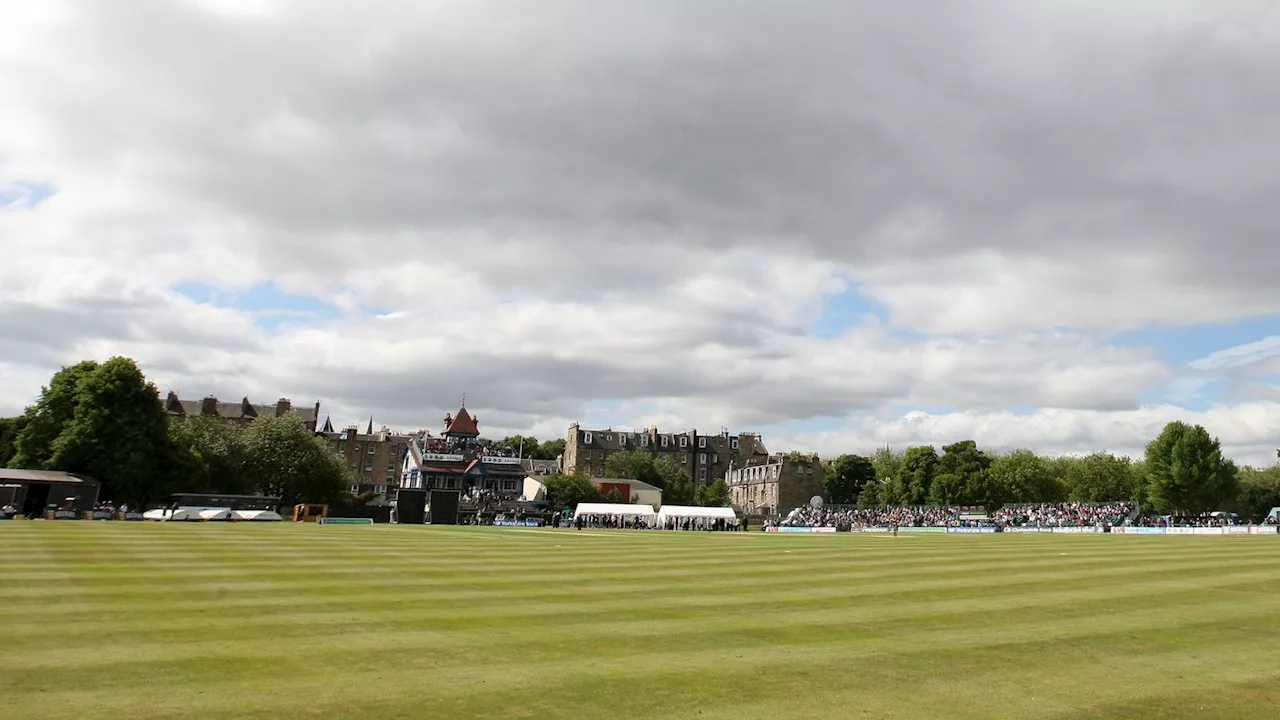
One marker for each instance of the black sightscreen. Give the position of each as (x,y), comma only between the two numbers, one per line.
(410,506)
(444,507)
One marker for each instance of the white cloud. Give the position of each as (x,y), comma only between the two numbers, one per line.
(1240,355)
(647,202)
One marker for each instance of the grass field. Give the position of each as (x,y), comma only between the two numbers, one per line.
(131,620)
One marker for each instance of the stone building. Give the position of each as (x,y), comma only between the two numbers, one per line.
(459,459)
(775,484)
(241,413)
(375,456)
(706,457)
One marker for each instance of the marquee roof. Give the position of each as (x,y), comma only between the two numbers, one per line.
(626,509)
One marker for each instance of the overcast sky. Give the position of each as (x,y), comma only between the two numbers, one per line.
(845,225)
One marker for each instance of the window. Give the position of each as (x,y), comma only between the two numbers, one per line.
(684,458)
(337,445)
(714,458)
(354,462)
(702,460)
(665,440)
(379,489)
(368,465)
(355,489)
(359,447)
(586,438)
(622,439)
(608,437)
(684,441)
(702,473)
(644,441)
(372,448)
(733,444)
(702,442)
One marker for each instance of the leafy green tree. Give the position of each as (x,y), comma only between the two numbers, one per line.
(677,486)
(714,495)
(962,477)
(1100,477)
(119,434)
(1186,472)
(871,495)
(636,465)
(846,476)
(45,421)
(292,463)
(1024,477)
(569,490)
(549,450)
(10,428)
(1257,492)
(888,468)
(915,477)
(224,462)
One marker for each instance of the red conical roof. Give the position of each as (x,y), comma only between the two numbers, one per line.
(463,424)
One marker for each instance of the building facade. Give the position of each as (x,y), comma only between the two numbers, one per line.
(241,413)
(375,456)
(459,459)
(775,484)
(705,457)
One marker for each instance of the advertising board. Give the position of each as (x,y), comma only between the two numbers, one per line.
(516,523)
(788,529)
(987,529)
(1027,530)
(1138,531)
(922,530)
(498,460)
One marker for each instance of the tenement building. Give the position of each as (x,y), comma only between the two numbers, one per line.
(706,457)
(375,456)
(775,484)
(241,413)
(459,459)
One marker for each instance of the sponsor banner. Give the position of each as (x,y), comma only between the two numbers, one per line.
(102,515)
(923,529)
(1236,529)
(438,457)
(789,529)
(345,521)
(62,515)
(133,515)
(1139,530)
(971,529)
(495,460)
(516,523)
(1073,530)
(1028,530)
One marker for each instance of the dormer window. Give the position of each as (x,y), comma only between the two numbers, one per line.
(684,441)
(733,443)
(702,442)
(608,437)
(586,438)
(665,440)
(644,441)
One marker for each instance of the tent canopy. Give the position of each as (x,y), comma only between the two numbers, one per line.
(627,510)
(689,511)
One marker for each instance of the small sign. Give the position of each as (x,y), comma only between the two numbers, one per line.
(439,457)
(496,460)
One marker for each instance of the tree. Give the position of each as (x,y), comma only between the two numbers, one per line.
(961,477)
(635,465)
(118,434)
(846,476)
(1100,477)
(550,450)
(888,467)
(1024,477)
(871,495)
(915,476)
(45,421)
(714,495)
(677,486)
(224,463)
(1257,492)
(10,428)
(569,490)
(292,463)
(1186,472)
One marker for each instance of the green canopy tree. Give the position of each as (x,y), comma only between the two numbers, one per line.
(1024,477)
(549,450)
(846,476)
(119,434)
(962,477)
(915,476)
(1186,472)
(292,463)
(567,491)
(45,421)
(714,495)
(1257,491)
(1100,477)
(224,463)
(10,428)
(636,465)
(872,495)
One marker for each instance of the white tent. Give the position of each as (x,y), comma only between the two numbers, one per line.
(625,510)
(258,515)
(702,517)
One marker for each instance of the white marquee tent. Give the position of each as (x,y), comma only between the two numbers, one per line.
(625,510)
(672,512)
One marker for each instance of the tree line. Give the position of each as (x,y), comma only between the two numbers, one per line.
(678,488)
(106,421)
(1182,472)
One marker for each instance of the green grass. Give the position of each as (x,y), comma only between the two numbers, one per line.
(131,620)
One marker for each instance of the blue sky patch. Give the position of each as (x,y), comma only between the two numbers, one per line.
(270,306)
(1179,345)
(25,194)
(843,310)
